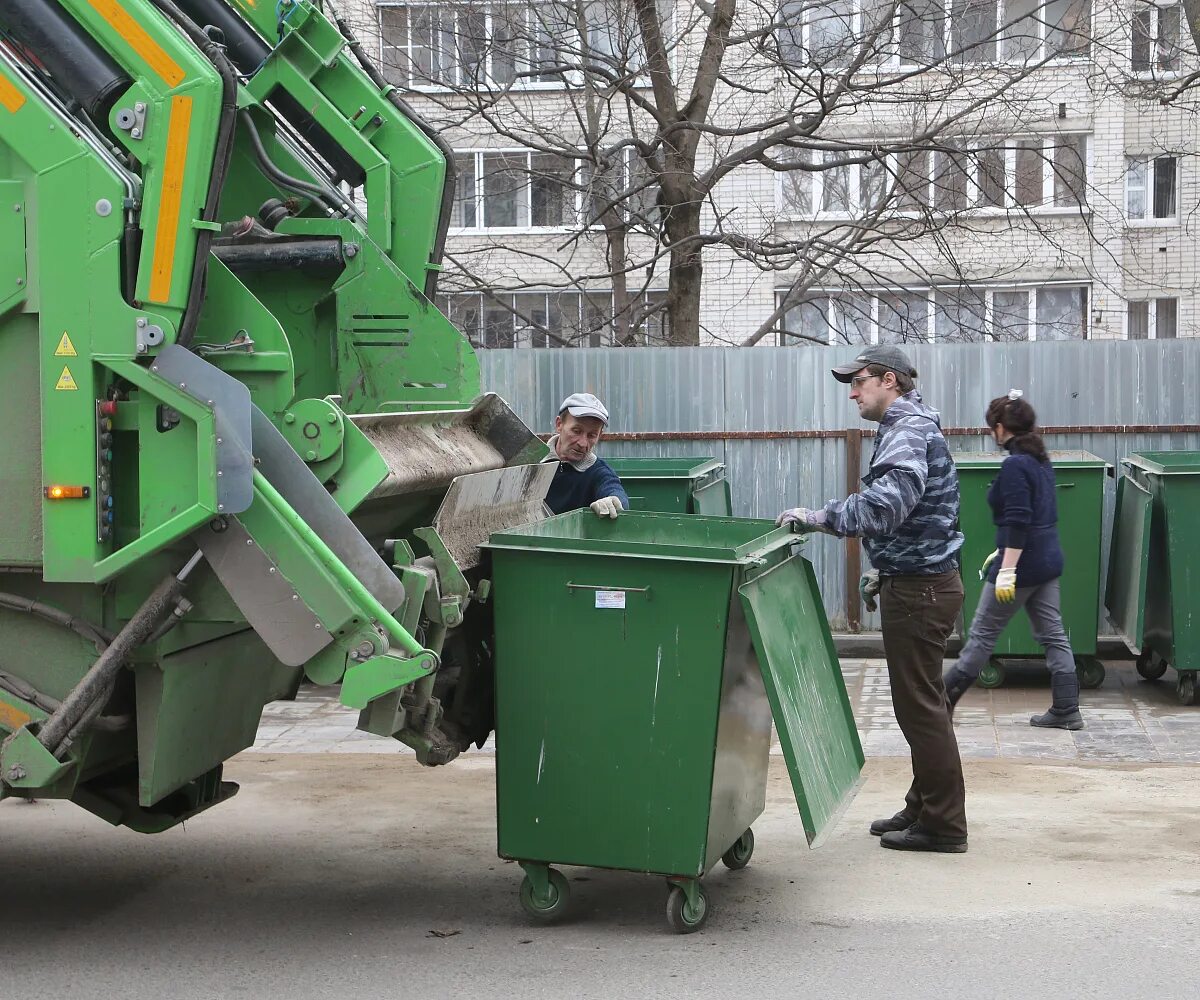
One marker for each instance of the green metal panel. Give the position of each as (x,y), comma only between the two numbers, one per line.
(1079,485)
(806,690)
(1129,562)
(198,708)
(606,718)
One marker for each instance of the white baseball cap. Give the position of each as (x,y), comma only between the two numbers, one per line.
(584,404)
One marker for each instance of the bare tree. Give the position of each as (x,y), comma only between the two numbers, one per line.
(614,137)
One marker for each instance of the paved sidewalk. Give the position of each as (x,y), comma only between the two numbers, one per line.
(1128,720)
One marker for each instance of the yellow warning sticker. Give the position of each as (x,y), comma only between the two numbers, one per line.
(66,380)
(65,348)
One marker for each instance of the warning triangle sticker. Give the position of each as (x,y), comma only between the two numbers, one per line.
(66,380)
(65,348)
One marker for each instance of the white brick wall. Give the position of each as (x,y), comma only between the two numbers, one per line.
(1118,260)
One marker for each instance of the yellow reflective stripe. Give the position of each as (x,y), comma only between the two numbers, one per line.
(10,97)
(123,23)
(11,717)
(167,230)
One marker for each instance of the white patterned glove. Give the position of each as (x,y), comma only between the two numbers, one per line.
(987,564)
(1006,585)
(802,519)
(607,507)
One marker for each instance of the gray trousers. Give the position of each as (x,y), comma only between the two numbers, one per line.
(1041,603)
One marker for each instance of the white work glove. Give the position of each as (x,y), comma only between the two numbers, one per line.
(1006,585)
(987,564)
(607,507)
(868,589)
(802,519)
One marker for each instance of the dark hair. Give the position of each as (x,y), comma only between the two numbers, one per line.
(1018,418)
(903,382)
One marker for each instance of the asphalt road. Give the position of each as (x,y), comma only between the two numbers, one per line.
(342,875)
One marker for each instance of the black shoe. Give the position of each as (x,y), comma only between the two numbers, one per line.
(901,821)
(1052,720)
(917,838)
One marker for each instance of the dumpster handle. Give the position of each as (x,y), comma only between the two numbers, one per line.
(625,590)
(1064,486)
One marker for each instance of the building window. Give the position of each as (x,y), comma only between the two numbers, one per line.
(1039,173)
(962,314)
(833,33)
(507,42)
(500,320)
(515,190)
(1151,186)
(1154,319)
(1156,37)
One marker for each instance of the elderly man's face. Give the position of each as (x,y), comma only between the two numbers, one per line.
(576,436)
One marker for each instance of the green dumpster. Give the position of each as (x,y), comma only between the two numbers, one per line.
(639,664)
(675,485)
(1079,486)
(1153,587)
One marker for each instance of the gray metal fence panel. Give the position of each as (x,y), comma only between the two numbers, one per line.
(731,390)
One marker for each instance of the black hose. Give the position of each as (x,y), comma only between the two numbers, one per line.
(286,181)
(39,699)
(451,181)
(222,154)
(93,633)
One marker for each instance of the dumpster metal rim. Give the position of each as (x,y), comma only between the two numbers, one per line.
(1138,460)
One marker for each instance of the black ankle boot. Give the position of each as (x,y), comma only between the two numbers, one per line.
(1064,712)
(957,683)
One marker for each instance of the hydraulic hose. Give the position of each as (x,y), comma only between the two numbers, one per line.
(286,181)
(222,153)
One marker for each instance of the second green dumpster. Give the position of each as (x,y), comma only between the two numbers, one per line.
(1079,488)
(675,485)
(639,663)
(1153,585)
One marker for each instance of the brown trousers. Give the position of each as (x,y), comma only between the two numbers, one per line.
(918,614)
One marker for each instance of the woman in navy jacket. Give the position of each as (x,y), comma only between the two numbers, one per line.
(1024,570)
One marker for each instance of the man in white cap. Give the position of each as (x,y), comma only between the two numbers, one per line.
(582,480)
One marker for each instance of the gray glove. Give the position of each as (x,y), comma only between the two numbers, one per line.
(802,519)
(868,589)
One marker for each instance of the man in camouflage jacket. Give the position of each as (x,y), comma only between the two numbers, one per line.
(907,516)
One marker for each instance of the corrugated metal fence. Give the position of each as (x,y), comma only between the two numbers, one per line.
(756,410)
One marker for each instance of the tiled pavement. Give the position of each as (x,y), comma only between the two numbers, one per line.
(1128,720)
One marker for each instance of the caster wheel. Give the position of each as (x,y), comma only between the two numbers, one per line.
(683,918)
(992,675)
(1090,672)
(554,905)
(739,855)
(1186,688)
(1150,668)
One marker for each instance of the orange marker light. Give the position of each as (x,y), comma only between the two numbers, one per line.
(57,492)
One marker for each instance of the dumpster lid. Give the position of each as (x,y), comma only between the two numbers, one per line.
(1060,459)
(1165,463)
(650,535)
(663,468)
(807,693)
(1129,562)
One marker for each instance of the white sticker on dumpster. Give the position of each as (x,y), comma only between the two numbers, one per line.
(610,599)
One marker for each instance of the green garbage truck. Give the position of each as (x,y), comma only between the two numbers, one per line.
(244,447)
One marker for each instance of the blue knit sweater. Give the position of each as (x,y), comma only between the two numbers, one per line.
(1025,513)
(572,489)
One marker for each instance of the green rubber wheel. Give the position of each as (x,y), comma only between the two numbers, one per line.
(992,675)
(681,916)
(549,909)
(739,855)
(1150,667)
(1090,672)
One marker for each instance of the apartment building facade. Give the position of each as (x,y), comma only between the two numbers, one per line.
(1065,208)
